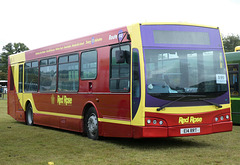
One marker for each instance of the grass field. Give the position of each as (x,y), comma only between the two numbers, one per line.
(22,144)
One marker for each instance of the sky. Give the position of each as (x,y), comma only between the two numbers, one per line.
(38,23)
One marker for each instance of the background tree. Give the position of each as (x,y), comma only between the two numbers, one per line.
(8,50)
(230,42)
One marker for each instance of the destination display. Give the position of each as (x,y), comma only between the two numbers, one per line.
(181,37)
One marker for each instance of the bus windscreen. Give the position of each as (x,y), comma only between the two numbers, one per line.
(185,71)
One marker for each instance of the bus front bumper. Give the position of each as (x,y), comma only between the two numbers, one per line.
(178,131)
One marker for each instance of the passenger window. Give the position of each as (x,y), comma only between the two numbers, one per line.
(11,78)
(31,76)
(43,62)
(136,84)
(135,74)
(89,65)
(48,73)
(68,73)
(20,79)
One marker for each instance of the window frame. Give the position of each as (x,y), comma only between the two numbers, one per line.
(110,70)
(38,79)
(39,70)
(234,72)
(81,65)
(58,63)
(136,60)
(20,78)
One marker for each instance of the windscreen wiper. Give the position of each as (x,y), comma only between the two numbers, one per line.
(180,98)
(216,104)
(166,105)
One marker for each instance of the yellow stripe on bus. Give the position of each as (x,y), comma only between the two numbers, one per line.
(186,110)
(60,115)
(115,121)
(81,117)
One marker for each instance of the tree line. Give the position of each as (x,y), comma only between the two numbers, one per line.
(229,42)
(10,48)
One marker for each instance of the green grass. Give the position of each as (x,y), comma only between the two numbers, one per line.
(22,144)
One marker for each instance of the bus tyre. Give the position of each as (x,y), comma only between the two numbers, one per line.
(29,115)
(91,124)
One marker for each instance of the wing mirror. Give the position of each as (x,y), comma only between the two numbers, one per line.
(122,56)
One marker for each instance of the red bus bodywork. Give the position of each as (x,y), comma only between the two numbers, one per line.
(114,109)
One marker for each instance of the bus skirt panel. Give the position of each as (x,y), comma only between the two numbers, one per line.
(178,131)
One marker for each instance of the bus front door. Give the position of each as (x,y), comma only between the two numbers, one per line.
(19,109)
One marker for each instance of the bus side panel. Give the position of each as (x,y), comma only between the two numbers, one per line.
(101,82)
(14,107)
(235,111)
(46,120)
(116,130)
(12,96)
(115,106)
(58,122)
(70,124)
(11,103)
(64,103)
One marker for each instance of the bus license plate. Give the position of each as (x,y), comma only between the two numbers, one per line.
(190,130)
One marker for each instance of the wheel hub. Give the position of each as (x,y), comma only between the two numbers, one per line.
(92,124)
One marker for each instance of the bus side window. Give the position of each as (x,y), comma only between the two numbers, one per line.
(48,70)
(233,77)
(11,78)
(31,76)
(136,84)
(20,79)
(135,74)
(68,73)
(89,65)
(119,72)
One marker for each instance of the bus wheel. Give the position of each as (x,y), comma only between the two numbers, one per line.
(29,115)
(91,124)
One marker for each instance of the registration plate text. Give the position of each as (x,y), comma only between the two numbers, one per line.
(190,130)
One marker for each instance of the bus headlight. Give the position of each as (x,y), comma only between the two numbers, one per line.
(161,122)
(148,121)
(227,117)
(153,121)
(221,117)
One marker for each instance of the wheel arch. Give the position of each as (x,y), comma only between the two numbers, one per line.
(87,106)
(26,104)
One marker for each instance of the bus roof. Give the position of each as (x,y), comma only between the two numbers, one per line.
(178,23)
(83,43)
(233,57)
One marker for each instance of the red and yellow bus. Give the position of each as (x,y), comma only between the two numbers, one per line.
(143,80)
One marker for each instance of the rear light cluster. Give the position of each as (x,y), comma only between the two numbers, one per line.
(222,118)
(155,122)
